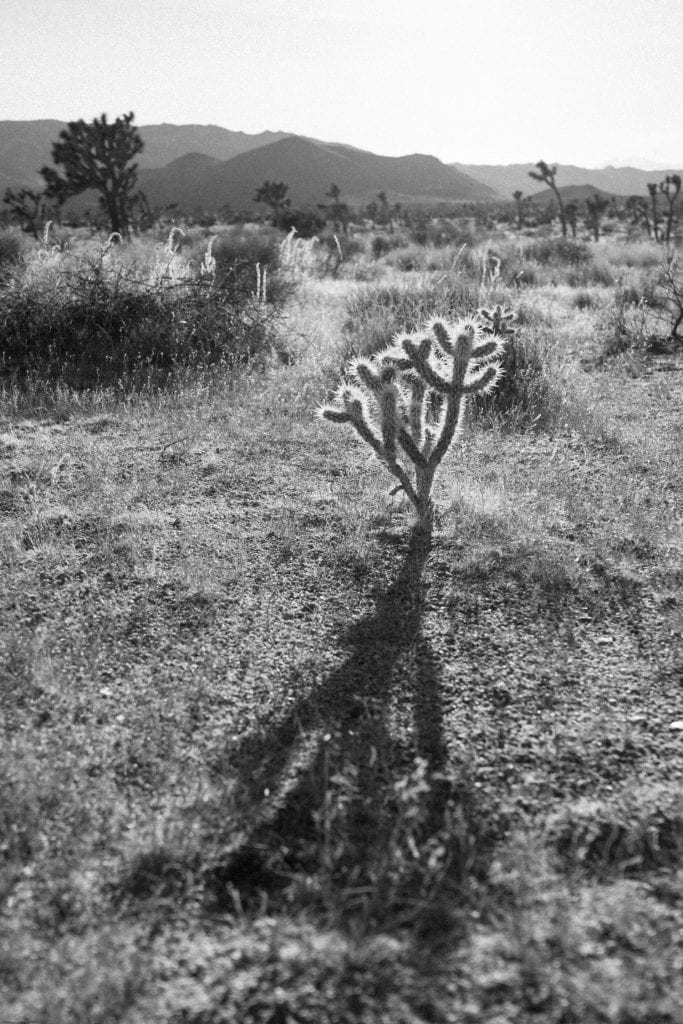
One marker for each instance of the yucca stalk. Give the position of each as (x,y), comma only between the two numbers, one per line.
(408,401)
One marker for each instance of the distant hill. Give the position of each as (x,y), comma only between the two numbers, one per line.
(308,168)
(508,178)
(571,194)
(26,146)
(167,142)
(207,167)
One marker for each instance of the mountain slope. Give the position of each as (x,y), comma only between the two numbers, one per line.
(167,142)
(309,168)
(206,166)
(570,194)
(508,178)
(26,146)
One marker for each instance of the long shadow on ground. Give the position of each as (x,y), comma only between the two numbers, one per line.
(337,794)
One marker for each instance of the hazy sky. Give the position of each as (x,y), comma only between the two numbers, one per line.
(476,81)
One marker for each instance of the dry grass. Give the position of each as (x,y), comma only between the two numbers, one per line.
(270,756)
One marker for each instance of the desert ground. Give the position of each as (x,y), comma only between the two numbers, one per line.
(270,752)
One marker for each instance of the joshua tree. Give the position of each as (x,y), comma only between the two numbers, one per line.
(571,211)
(670,189)
(408,401)
(385,211)
(518,197)
(546,174)
(637,208)
(596,207)
(337,211)
(652,189)
(97,156)
(29,207)
(371,211)
(274,194)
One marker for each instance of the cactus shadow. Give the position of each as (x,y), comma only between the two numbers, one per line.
(339,739)
(357,692)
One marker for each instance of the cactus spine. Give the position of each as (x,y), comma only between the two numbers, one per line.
(408,401)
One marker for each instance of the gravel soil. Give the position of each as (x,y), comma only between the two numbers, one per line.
(201,630)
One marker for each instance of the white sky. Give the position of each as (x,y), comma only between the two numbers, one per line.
(477,81)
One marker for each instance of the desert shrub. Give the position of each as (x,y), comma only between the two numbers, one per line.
(381,245)
(247,262)
(91,321)
(521,273)
(583,300)
(669,297)
(307,223)
(375,313)
(527,394)
(590,272)
(557,251)
(622,325)
(251,243)
(636,832)
(448,233)
(641,254)
(237,255)
(341,247)
(440,232)
(407,261)
(11,251)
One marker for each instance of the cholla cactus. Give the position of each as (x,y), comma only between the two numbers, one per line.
(408,401)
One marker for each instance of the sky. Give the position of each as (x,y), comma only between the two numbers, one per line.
(586,82)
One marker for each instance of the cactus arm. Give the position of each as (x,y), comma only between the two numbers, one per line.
(410,448)
(405,483)
(366,375)
(493,346)
(387,457)
(328,412)
(417,409)
(450,425)
(420,361)
(359,423)
(388,402)
(440,331)
(385,449)
(452,421)
(482,381)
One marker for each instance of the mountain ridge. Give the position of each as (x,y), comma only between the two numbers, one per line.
(505,179)
(209,167)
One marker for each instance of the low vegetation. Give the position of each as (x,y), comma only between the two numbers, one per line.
(272,752)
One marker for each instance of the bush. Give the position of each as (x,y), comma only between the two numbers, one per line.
(91,321)
(557,251)
(623,324)
(590,272)
(307,223)
(376,313)
(583,300)
(527,395)
(10,251)
(381,245)
(631,834)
